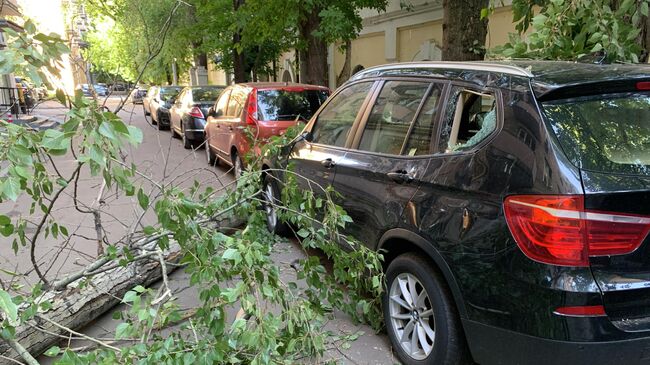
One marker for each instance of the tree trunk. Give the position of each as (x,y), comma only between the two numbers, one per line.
(347,65)
(238,59)
(76,306)
(463,31)
(313,58)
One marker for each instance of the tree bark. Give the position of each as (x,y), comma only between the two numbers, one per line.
(238,59)
(463,31)
(313,58)
(77,306)
(347,65)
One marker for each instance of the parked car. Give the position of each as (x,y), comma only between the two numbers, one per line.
(147,99)
(137,95)
(85,89)
(119,87)
(511,202)
(187,115)
(264,109)
(101,89)
(160,103)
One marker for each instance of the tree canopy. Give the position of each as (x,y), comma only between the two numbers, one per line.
(572,29)
(241,35)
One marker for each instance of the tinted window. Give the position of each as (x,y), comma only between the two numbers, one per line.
(206,95)
(222,103)
(419,141)
(391,116)
(471,116)
(335,121)
(236,103)
(289,104)
(608,133)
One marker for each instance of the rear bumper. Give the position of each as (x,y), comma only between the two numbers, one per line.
(491,345)
(197,135)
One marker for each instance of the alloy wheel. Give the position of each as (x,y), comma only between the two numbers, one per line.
(269,198)
(239,169)
(411,316)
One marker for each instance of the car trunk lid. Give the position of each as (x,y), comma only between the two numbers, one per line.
(608,137)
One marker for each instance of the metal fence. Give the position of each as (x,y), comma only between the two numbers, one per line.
(11,103)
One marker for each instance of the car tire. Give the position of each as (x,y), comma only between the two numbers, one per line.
(271,194)
(158,122)
(436,336)
(174,133)
(211,158)
(187,143)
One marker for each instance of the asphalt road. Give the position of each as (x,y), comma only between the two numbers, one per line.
(161,158)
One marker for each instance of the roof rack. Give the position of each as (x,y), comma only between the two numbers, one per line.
(475,66)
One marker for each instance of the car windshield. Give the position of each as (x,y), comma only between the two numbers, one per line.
(289,104)
(207,94)
(605,133)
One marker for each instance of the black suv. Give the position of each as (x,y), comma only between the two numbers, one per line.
(512,201)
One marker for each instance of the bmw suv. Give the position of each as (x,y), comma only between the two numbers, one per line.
(511,201)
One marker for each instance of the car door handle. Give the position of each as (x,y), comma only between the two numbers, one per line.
(328,163)
(229,127)
(400,177)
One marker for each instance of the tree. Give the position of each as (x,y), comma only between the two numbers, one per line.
(615,30)
(463,30)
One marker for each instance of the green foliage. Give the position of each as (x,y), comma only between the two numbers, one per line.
(31,53)
(282,319)
(569,30)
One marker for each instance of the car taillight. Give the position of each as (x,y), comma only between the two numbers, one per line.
(251,111)
(197,113)
(557,230)
(582,311)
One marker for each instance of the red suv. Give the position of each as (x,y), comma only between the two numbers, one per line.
(245,115)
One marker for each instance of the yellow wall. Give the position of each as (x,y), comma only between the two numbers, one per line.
(367,50)
(216,76)
(499,26)
(409,39)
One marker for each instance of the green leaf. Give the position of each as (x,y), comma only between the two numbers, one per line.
(60,96)
(4,220)
(143,199)
(232,255)
(9,308)
(53,351)
(122,331)
(129,297)
(107,130)
(11,188)
(644,8)
(485,12)
(136,134)
(303,233)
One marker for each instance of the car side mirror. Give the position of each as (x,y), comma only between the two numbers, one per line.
(304,136)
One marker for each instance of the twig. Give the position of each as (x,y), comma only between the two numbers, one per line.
(101,343)
(29,359)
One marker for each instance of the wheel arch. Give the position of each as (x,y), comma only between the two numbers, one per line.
(399,241)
